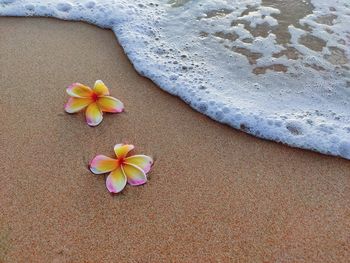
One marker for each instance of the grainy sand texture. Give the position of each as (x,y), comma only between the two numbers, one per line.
(214,195)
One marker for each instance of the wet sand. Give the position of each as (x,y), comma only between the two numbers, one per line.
(215,194)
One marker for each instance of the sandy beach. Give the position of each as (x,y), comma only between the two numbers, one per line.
(215,194)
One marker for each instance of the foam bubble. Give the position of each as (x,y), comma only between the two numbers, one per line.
(7,1)
(64,7)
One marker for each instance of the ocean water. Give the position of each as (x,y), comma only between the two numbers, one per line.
(277,69)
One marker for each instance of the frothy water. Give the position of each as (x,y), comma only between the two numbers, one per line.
(277,69)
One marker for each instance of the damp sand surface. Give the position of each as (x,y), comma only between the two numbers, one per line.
(215,194)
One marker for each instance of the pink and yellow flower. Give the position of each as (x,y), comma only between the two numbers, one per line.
(125,169)
(96,101)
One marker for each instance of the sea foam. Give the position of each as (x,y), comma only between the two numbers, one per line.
(234,60)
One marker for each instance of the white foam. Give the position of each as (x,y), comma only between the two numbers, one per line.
(179,48)
(263,15)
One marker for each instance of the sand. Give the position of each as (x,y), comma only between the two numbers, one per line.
(215,194)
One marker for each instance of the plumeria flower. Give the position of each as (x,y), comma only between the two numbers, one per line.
(96,101)
(132,169)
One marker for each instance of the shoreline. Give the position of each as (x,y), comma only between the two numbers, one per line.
(306,107)
(215,193)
